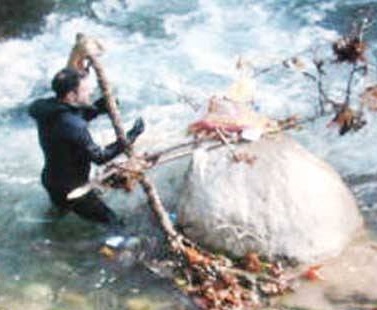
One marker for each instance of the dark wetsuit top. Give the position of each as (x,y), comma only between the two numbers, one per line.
(67,145)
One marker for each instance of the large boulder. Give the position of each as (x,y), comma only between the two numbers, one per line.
(288,202)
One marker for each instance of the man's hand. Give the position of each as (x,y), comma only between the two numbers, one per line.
(137,129)
(84,47)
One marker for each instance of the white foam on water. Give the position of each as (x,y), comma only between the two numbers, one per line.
(196,58)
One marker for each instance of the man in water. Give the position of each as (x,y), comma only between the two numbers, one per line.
(68,147)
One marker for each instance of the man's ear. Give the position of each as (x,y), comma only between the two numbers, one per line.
(70,97)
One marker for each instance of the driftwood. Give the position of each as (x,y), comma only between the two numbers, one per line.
(83,48)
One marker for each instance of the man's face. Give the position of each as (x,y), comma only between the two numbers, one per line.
(83,92)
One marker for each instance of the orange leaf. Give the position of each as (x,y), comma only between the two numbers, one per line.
(312,273)
(194,257)
(252,262)
(106,251)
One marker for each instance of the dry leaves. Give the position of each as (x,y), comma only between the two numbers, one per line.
(245,157)
(127,174)
(230,117)
(349,49)
(369,98)
(214,282)
(289,122)
(252,262)
(347,119)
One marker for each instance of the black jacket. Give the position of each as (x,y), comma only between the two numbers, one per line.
(67,145)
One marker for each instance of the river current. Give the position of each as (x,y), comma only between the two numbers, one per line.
(158,52)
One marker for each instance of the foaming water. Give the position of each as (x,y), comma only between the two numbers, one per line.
(158,51)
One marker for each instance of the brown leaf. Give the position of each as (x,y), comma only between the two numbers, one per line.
(108,252)
(244,157)
(289,122)
(312,273)
(276,270)
(252,262)
(201,302)
(229,280)
(349,49)
(347,119)
(194,257)
(369,98)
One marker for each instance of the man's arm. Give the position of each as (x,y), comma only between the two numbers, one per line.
(77,133)
(98,108)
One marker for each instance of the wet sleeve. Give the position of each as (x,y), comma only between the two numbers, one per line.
(90,113)
(98,108)
(96,153)
(82,139)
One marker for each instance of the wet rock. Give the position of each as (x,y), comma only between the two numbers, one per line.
(14,304)
(288,202)
(144,303)
(22,16)
(105,299)
(74,300)
(349,282)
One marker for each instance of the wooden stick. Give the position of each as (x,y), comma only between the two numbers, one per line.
(158,208)
(148,186)
(114,113)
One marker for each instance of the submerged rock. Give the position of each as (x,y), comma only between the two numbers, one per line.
(74,300)
(148,303)
(349,282)
(38,292)
(287,202)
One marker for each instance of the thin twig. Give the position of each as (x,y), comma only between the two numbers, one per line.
(281,62)
(355,69)
(226,142)
(155,156)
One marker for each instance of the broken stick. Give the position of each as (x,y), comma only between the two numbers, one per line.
(83,46)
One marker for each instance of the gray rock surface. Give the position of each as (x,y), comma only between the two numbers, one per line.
(288,202)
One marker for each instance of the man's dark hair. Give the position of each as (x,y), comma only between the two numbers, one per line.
(66,80)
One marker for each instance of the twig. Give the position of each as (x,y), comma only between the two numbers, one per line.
(225,141)
(182,97)
(349,84)
(281,62)
(355,68)
(321,94)
(155,156)
(158,208)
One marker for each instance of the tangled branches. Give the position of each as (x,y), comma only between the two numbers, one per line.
(349,49)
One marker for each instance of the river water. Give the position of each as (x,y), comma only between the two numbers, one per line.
(158,51)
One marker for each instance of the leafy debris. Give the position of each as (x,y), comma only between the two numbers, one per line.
(349,49)
(347,119)
(369,98)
